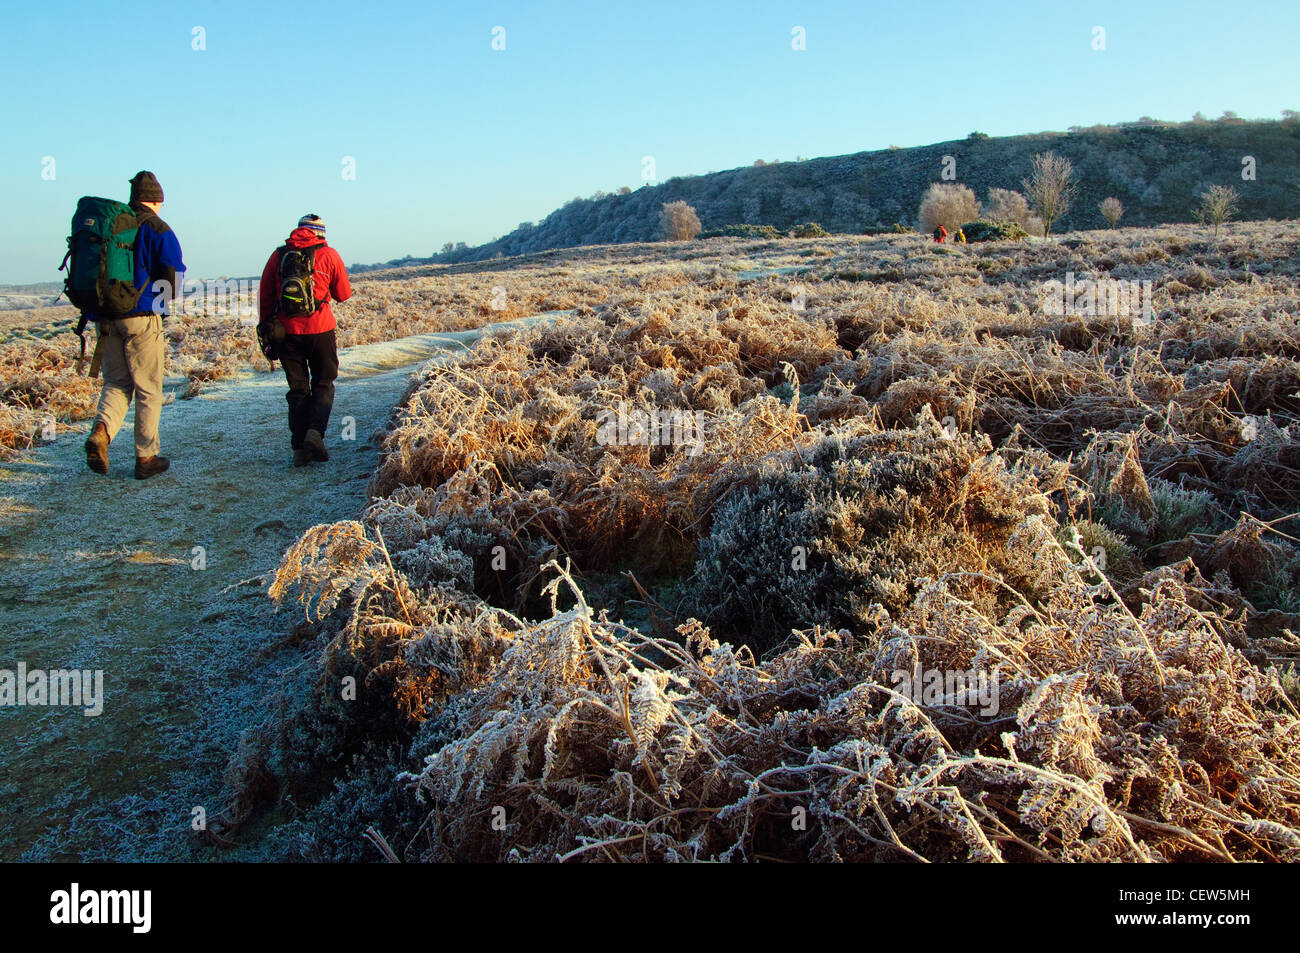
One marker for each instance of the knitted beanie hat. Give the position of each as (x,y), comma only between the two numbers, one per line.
(313,221)
(145,188)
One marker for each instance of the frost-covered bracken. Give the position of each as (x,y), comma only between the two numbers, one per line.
(576,650)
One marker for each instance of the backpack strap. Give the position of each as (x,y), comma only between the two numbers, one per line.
(81,333)
(313,248)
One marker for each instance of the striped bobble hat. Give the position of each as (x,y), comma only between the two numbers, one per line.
(313,221)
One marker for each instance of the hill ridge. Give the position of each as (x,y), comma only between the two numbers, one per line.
(1156,169)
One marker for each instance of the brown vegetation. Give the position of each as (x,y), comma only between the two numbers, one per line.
(609,649)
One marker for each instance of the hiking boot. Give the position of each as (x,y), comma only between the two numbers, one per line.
(145,467)
(314,444)
(97,448)
(301,457)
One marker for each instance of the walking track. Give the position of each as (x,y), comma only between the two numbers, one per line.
(98,573)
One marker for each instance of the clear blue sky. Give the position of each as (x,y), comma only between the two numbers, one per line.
(454,141)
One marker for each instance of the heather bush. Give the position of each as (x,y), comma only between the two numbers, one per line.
(822,536)
(1109,551)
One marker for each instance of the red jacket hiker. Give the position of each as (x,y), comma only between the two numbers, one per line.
(940,234)
(331,281)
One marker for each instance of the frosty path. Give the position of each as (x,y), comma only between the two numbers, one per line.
(148,582)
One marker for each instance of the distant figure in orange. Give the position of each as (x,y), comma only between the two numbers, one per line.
(940,234)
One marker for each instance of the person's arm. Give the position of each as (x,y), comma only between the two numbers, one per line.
(268,288)
(162,263)
(171,264)
(340,286)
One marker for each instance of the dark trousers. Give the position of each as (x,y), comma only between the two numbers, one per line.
(311,362)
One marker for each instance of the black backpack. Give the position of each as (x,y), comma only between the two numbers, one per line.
(297,281)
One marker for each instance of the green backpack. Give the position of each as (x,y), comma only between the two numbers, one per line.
(101,258)
(101,262)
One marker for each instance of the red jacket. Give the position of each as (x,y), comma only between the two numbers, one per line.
(331,282)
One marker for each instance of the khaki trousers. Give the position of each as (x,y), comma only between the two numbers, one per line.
(132,354)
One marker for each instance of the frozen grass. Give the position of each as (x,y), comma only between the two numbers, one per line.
(1093,508)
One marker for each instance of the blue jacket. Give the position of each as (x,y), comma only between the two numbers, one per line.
(157,258)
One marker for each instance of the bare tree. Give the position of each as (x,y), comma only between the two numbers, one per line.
(1051,188)
(1111,210)
(948,204)
(1218,204)
(678,221)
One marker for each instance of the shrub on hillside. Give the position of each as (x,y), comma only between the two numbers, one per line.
(947,204)
(882,228)
(678,221)
(741,231)
(808,230)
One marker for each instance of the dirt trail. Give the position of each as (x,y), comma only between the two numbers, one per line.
(99,573)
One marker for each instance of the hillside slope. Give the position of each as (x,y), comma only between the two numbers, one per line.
(1157,170)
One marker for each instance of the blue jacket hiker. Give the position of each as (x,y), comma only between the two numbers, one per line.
(131,349)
